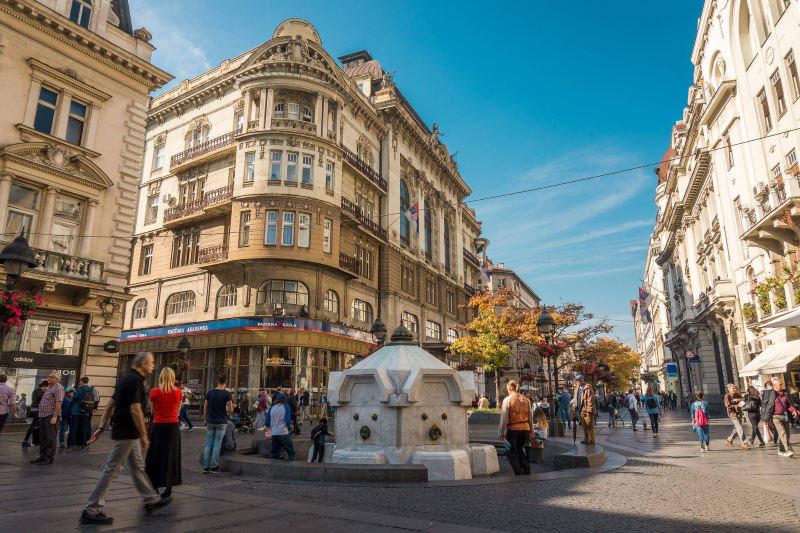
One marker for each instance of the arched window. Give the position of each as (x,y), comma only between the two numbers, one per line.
(362,311)
(405,204)
(179,303)
(428,229)
(448,253)
(139,309)
(410,322)
(331,302)
(226,297)
(279,291)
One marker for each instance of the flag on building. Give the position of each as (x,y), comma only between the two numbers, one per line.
(644,306)
(412,214)
(486,269)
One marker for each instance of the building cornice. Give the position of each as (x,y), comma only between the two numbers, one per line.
(49,22)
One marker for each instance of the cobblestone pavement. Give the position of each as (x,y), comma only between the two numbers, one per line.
(666,485)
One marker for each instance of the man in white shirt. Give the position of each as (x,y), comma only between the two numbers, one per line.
(631,403)
(187,400)
(279,420)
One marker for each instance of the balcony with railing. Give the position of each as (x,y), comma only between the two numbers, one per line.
(363,220)
(349,264)
(65,266)
(776,212)
(355,161)
(210,204)
(212,254)
(472,258)
(470,290)
(202,150)
(294,125)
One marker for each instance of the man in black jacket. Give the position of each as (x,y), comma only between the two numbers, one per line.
(33,429)
(767,409)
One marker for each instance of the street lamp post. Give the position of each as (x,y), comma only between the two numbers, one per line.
(378,330)
(17,257)
(546,326)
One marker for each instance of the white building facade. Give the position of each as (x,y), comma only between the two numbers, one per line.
(728,226)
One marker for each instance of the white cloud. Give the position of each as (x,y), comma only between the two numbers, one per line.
(620,228)
(177,48)
(589,273)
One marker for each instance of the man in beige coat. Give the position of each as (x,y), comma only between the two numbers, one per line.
(585,408)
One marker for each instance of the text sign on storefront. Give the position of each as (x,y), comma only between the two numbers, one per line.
(279,361)
(247,324)
(17,359)
(672,369)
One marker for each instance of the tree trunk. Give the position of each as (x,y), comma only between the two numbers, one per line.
(497,386)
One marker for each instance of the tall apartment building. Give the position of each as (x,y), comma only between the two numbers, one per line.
(726,237)
(272,226)
(74,84)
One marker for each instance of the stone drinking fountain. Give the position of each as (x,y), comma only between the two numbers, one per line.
(401,405)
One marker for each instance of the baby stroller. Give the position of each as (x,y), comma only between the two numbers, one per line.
(242,421)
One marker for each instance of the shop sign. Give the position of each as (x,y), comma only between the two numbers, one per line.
(279,361)
(16,359)
(247,324)
(672,370)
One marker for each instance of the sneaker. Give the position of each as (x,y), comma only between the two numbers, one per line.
(215,470)
(149,507)
(702,450)
(206,470)
(38,460)
(191,428)
(762,445)
(746,446)
(26,444)
(99,518)
(729,442)
(783,454)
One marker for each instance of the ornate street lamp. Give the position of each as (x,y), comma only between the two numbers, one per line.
(17,257)
(546,326)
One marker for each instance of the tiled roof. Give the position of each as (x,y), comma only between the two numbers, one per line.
(663,168)
(369,68)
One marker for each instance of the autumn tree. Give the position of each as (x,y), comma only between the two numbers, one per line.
(622,361)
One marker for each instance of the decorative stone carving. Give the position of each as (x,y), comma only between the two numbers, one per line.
(144,35)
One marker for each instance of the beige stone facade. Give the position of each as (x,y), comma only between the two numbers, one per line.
(74,81)
(273,202)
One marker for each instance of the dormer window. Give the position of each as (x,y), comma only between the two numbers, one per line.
(279,111)
(81,12)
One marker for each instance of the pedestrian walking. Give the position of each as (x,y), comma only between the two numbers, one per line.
(217,407)
(585,408)
(673,400)
(32,435)
(767,409)
(22,407)
(318,434)
(163,460)
(66,433)
(733,404)
(130,441)
(631,402)
(564,399)
(699,413)
(8,401)
(752,408)
(279,422)
(323,404)
(186,401)
(49,411)
(652,404)
(261,409)
(783,413)
(611,409)
(515,428)
(84,402)
(303,399)
(291,401)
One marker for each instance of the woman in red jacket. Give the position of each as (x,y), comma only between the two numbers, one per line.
(163,462)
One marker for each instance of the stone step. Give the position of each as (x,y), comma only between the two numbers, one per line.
(253,465)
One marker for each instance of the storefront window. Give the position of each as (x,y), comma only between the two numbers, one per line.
(25,380)
(43,335)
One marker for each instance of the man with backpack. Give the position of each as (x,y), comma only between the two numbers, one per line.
(318,434)
(515,428)
(632,402)
(84,402)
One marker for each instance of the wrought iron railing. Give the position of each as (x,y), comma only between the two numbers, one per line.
(349,263)
(363,220)
(362,166)
(212,254)
(203,148)
(210,198)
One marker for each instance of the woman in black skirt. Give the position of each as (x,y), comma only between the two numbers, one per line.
(163,462)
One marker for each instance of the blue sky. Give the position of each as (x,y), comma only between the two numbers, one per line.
(527,93)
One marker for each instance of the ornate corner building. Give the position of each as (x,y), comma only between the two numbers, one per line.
(75,83)
(727,236)
(286,201)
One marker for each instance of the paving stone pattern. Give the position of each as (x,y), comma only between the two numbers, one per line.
(666,485)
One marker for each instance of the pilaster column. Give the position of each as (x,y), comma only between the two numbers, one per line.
(422,215)
(323,120)
(33,99)
(262,102)
(248,111)
(268,108)
(318,115)
(440,231)
(60,127)
(91,126)
(5,190)
(46,223)
(88,228)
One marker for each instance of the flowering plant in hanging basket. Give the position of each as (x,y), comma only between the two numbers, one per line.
(16,307)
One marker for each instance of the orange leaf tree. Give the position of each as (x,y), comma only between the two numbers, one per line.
(622,361)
